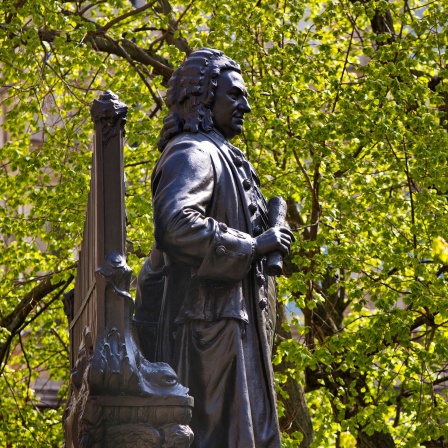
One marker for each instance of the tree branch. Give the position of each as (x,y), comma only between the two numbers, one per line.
(14,321)
(126,15)
(105,44)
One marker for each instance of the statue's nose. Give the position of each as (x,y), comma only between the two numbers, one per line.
(244,105)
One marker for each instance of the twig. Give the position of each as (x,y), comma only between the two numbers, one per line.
(91,5)
(345,66)
(126,15)
(27,361)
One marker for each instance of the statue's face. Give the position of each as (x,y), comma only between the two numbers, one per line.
(230,104)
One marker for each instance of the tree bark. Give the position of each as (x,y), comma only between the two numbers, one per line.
(376,440)
(14,321)
(297,416)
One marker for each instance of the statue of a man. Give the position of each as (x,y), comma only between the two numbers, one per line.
(219,306)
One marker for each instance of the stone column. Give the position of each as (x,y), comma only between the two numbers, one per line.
(117,398)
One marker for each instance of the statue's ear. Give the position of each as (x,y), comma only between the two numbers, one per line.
(209,94)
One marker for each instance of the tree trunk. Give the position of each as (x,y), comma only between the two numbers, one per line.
(297,416)
(376,440)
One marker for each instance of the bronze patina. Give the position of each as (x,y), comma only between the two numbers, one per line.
(207,274)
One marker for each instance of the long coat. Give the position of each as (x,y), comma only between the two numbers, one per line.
(218,310)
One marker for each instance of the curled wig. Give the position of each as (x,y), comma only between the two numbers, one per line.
(191,91)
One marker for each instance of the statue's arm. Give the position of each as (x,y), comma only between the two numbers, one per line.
(183,185)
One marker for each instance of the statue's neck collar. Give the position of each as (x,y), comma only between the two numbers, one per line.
(214,135)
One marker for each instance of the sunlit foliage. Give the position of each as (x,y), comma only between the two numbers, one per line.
(349,123)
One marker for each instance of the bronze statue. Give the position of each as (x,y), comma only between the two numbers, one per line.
(218,311)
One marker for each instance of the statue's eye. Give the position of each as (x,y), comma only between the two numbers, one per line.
(170,379)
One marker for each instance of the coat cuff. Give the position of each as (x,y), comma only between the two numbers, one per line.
(229,257)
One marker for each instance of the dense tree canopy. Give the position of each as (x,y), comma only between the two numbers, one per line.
(349,123)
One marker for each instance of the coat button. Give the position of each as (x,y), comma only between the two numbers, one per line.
(252,207)
(223,227)
(238,161)
(247,183)
(220,250)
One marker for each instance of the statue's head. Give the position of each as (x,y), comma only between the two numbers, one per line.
(191,96)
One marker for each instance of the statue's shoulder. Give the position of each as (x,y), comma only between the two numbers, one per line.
(188,140)
(188,150)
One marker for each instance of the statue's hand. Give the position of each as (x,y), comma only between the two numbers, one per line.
(274,239)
